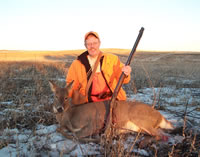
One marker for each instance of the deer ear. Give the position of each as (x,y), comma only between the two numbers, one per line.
(69,86)
(52,85)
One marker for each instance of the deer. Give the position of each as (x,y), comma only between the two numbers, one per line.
(88,119)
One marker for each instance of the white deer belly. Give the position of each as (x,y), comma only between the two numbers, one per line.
(129,127)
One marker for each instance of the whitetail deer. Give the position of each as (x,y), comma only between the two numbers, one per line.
(87,119)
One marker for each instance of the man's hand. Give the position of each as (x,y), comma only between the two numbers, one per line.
(126,70)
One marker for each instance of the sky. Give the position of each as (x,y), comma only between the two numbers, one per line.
(170,25)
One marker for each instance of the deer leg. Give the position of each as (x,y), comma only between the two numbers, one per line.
(62,131)
(71,137)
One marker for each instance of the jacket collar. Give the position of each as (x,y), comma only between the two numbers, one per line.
(83,59)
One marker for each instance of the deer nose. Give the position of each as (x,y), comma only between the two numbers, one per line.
(60,109)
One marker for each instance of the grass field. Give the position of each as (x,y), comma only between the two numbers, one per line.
(25,96)
(20,55)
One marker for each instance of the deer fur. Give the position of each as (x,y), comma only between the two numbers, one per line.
(87,119)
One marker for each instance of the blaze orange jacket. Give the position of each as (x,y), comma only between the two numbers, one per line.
(110,68)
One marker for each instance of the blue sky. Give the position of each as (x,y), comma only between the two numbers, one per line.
(170,25)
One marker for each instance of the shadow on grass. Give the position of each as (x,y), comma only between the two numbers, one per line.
(65,58)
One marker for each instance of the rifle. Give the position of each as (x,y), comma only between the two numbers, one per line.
(121,79)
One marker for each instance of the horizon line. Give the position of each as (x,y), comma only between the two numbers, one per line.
(126,49)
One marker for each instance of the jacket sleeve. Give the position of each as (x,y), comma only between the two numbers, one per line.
(72,75)
(127,78)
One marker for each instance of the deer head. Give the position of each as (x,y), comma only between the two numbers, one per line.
(61,97)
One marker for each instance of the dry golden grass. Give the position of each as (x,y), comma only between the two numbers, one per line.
(20,55)
(24,79)
(24,55)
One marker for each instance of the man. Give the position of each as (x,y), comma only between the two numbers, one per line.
(107,70)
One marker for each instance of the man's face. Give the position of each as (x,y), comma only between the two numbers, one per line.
(92,44)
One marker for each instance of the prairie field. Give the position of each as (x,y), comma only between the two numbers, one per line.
(168,80)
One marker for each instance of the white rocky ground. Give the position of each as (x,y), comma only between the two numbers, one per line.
(45,141)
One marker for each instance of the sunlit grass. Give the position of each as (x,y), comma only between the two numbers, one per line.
(24,85)
(21,55)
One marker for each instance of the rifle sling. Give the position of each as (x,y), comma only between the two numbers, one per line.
(92,75)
